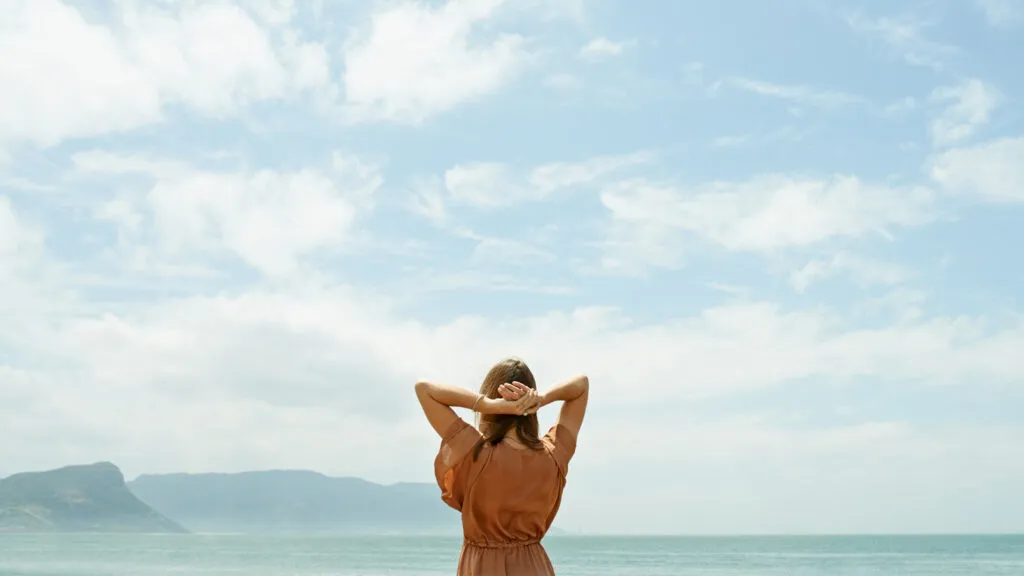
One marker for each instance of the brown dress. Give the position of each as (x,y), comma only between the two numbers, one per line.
(508,498)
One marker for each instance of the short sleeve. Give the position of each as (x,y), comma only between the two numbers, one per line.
(561,442)
(450,467)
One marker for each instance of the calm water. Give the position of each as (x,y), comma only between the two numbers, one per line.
(110,555)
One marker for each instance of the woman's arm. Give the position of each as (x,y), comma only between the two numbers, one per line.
(438,400)
(566,391)
(574,393)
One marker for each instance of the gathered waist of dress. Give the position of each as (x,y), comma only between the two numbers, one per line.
(502,544)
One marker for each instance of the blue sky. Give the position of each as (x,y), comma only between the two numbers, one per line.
(780,238)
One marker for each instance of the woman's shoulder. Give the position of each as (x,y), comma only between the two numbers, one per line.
(559,434)
(560,443)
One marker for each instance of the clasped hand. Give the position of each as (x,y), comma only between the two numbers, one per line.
(523,399)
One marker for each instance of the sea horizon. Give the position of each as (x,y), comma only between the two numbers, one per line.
(111,554)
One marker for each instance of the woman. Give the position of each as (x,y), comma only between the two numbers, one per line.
(505,480)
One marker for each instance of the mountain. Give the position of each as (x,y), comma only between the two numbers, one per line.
(92,498)
(296,501)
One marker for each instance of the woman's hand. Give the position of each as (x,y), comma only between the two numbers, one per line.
(509,392)
(526,400)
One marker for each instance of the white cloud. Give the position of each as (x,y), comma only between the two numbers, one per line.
(269,220)
(273,12)
(213,57)
(798,94)
(74,78)
(559,175)
(103,162)
(902,304)
(16,238)
(993,171)
(415,61)
(866,271)
(969,106)
(906,36)
(70,78)
(652,224)
(292,365)
(1006,13)
(427,200)
(30,295)
(601,48)
(495,184)
(248,382)
(257,375)
(871,477)
(483,184)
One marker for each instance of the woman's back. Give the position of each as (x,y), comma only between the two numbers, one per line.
(505,480)
(508,497)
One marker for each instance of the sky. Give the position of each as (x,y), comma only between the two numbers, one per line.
(782,239)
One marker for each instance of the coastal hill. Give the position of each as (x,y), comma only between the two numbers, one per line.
(276,501)
(96,498)
(91,498)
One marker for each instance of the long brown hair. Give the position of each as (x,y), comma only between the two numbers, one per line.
(495,426)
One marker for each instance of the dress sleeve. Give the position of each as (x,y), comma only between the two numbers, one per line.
(451,466)
(561,442)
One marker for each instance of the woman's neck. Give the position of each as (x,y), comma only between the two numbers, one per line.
(512,439)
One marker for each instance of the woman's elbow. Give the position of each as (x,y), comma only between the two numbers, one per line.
(422,388)
(584,384)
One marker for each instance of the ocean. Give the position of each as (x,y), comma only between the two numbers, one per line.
(145,555)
